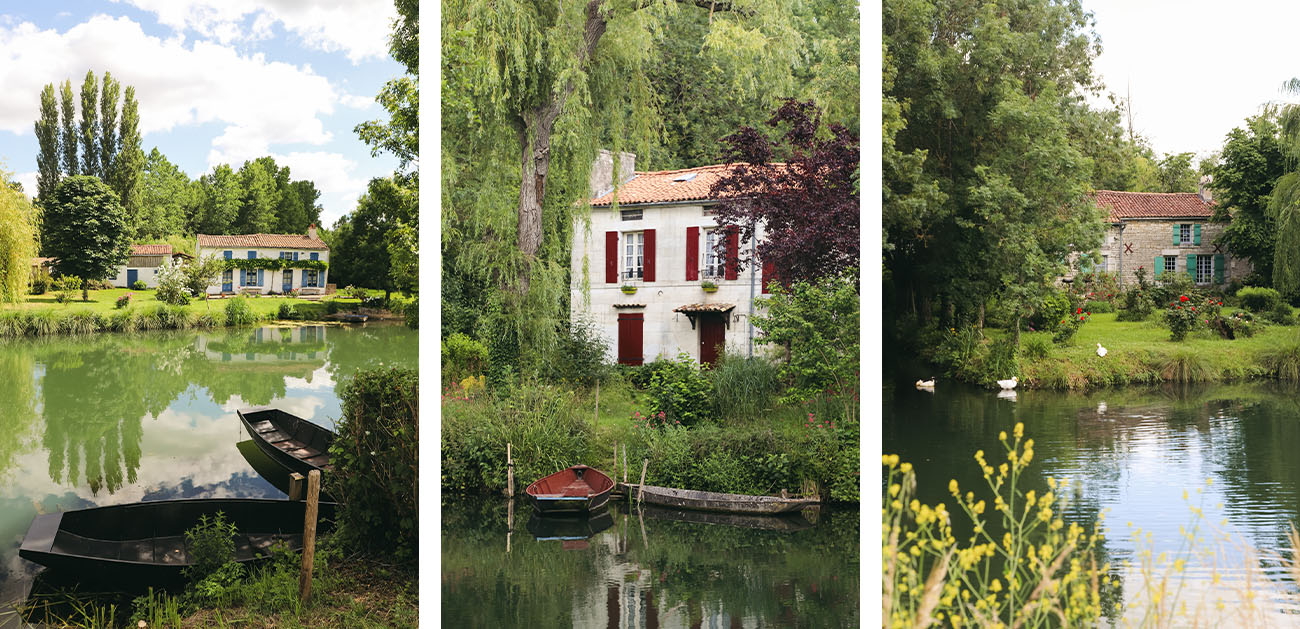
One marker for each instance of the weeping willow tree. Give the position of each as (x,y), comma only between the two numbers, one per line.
(530,92)
(17,241)
(1284,205)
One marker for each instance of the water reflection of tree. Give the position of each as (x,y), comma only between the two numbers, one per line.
(17,404)
(370,347)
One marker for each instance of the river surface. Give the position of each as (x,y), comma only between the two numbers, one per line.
(1131,453)
(116,418)
(646,569)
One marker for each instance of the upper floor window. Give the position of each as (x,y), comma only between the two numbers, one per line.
(1185,234)
(632,215)
(709,210)
(285,255)
(714,264)
(634,255)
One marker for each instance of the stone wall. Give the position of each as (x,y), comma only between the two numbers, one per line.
(1136,243)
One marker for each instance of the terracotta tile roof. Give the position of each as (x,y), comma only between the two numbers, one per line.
(271,241)
(660,187)
(704,308)
(1123,205)
(151,250)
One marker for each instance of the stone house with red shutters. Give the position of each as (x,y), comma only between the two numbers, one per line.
(640,272)
(1164,233)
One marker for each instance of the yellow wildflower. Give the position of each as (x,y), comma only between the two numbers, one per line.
(905,468)
(952,487)
(1019,430)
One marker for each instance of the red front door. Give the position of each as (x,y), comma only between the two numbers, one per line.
(713,338)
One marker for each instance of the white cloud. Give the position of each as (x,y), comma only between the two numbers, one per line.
(359,28)
(29,182)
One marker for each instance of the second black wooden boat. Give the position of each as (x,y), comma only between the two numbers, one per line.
(295,443)
(578,489)
(711,501)
(144,542)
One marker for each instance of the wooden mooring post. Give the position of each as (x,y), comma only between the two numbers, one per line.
(309,535)
(640,489)
(297,485)
(510,473)
(625,464)
(596,419)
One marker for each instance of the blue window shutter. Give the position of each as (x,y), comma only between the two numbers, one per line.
(295,255)
(1178,233)
(243,278)
(259,277)
(304,277)
(315,256)
(1160,265)
(229,254)
(1196,234)
(252,254)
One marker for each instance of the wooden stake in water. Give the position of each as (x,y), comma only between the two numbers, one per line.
(309,535)
(596,419)
(296,486)
(640,489)
(625,464)
(510,473)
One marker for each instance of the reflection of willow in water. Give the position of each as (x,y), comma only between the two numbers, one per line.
(17,404)
(643,572)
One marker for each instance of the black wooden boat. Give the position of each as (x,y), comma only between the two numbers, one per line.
(578,489)
(144,542)
(711,501)
(295,443)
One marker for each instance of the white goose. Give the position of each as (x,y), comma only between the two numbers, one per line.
(1101,351)
(1009,384)
(925,384)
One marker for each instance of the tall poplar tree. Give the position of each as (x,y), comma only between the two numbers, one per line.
(90,126)
(108,140)
(68,137)
(128,163)
(47,137)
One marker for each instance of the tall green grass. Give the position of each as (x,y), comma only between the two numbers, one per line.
(745,388)
(1186,365)
(1283,362)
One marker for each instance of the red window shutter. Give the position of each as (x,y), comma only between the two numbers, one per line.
(630,325)
(611,257)
(733,252)
(769,274)
(692,254)
(649,260)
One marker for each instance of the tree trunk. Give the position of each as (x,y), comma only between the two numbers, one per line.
(980,322)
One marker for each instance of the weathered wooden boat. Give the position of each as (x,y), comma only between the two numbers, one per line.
(571,531)
(144,542)
(785,522)
(352,317)
(711,501)
(295,443)
(578,489)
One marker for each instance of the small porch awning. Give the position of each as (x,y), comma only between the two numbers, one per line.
(695,310)
(629,305)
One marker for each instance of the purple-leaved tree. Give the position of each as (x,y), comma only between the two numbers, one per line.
(808,204)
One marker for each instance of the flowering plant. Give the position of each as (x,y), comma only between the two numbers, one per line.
(1183,314)
(653,421)
(124,301)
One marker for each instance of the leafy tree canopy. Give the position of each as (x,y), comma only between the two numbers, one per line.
(85,229)
(1249,164)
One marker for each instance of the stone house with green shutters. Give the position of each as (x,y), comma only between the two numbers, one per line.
(1164,233)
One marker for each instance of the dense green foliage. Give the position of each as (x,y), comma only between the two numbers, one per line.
(681,391)
(817,324)
(1250,163)
(375,459)
(211,544)
(362,238)
(238,312)
(17,242)
(745,388)
(1257,299)
(84,228)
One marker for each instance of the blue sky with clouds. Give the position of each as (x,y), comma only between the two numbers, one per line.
(218,81)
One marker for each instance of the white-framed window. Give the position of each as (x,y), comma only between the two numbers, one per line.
(633,255)
(1204,269)
(714,265)
(632,215)
(1185,233)
(253,277)
(1105,264)
(285,255)
(312,278)
(1171,264)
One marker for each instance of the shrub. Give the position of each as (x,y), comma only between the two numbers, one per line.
(79,322)
(1053,312)
(287,312)
(579,356)
(123,301)
(1238,325)
(745,388)
(42,323)
(1280,314)
(818,324)
(412,314)
(139,285)
(293,293)
(198,275)
(171,285)
(353,292)
(1069,325)
(1136,305)
(681,391)
(122,321)
(332,307)
(1186,365)
(462,356)
(375,463)
(41,281)
(1099,306)
(238,312)
(1181,317)
(66,286)
(211,544)
(1257,299)
(1036,345)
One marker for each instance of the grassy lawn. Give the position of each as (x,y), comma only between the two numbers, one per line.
(1141,352)
(104,301)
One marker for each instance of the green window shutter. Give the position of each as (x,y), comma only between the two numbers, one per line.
(1160,265)
(1191,266)
(1085,265)
(1219,268)
(1177,233)
(1196,234)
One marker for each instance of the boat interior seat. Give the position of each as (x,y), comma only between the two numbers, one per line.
(576,488)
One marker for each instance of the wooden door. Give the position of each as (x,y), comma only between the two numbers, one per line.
(713,337)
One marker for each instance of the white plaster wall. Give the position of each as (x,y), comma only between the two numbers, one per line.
(147,273)
(271,280)
(665,333)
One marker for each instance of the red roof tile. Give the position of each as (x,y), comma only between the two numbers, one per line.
(151,250)
(271,241)
(1125,205)
(660,187)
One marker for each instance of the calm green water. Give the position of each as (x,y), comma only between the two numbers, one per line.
(646,570)
(1131,453)
(116,418)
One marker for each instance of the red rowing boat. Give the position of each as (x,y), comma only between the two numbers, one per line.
(578,489)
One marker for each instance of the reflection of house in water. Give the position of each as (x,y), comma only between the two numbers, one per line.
(265,345)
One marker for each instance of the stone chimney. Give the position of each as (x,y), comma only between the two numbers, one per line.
(311,231)
(602,172)
(1203,188)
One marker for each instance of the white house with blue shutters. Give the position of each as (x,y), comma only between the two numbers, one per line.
(294,250)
